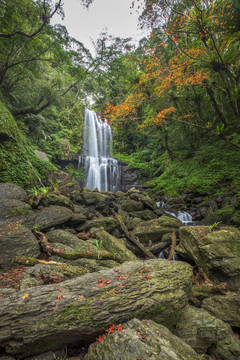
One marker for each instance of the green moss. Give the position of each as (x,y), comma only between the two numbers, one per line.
(18,162)
(76,316)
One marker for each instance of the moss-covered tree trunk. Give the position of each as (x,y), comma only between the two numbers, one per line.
(76,311)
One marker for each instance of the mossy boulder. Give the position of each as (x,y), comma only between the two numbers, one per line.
(64,237)
(201,330)
(59,236)
(108,223)
(146,214)
(16,240)
(52,216)
(216,252)
(226,349)
(16,210)
(131,205)
(143,340)
(12,191)
(55,199)
(94,200)
(226,308)
(152,231)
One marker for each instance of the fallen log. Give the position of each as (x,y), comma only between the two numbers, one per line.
(49,249)
(49,317)
(29,261)
(134,239)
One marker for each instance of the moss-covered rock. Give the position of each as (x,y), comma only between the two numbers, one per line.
(16,240)
(108,223)
(59,236)
(131,205)
(201,330)
(227,349)
(226,308)
(52,216)
(15,210)
(12,191)
(152,231)
(55,199)
(216,252)
(143,340)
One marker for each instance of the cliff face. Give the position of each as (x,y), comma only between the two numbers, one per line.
(129,178)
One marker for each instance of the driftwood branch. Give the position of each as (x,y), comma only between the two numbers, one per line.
(134,239)
(173,246)
(29,261)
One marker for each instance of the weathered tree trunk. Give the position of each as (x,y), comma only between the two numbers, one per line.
(78,254)
(76,311)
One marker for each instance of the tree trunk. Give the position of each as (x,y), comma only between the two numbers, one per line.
(77,254)
(52,316)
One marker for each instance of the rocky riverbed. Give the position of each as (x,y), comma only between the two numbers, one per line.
(81,279)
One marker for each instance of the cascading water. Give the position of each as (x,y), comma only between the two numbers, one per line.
(183,216)
(100,169)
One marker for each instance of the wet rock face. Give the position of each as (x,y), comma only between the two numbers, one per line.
(129,178)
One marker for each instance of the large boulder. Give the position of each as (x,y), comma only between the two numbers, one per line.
(131,205)
(16,210)
(76,311)
(56,199)
(65,238)
(52,216)
(226,308)
(216,252)
(94,200)
(16,240)
(152,231)
(146,214)
(201,330)
(65,183)
(12,191)
(143,340)
(108,223)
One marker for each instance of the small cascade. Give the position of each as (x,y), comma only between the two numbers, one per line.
(100,169)
(183,216)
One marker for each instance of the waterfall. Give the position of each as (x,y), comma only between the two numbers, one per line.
(100,169)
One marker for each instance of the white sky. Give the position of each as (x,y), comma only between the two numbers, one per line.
(113,16)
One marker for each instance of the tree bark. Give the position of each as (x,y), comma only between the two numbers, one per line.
(86,254)
(49,317)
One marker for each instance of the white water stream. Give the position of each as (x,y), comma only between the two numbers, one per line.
(100,169)
(183,216)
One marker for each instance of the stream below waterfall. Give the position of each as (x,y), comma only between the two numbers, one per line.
(101,170)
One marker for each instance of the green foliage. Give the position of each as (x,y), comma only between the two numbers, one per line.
(214,226)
